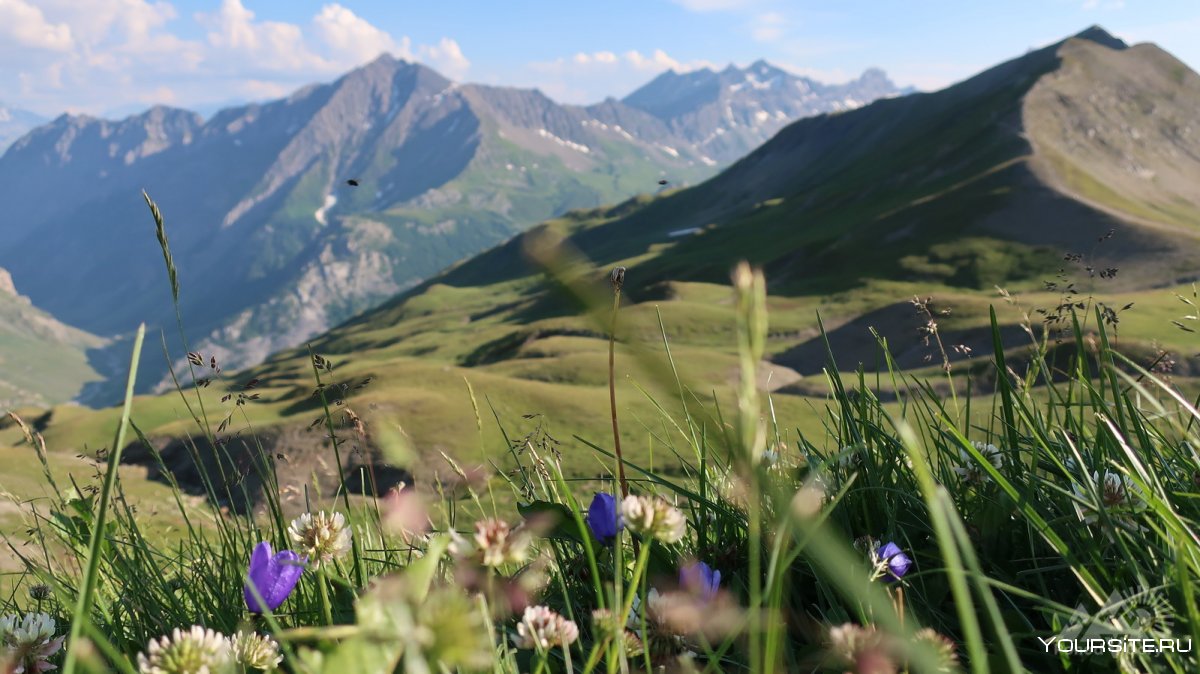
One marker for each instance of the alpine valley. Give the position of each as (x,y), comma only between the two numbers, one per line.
(1068,176)
(274,244)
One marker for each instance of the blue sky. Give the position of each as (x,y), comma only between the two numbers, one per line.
(116,56)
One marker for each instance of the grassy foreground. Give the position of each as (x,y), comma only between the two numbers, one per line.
(925,543)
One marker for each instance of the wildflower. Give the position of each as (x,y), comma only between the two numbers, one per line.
(193,651)
(30,642)
(898,564)
(654,517)
(669,616)
(654,604)
(274,576)
(1118,494)
(39,592)
(499,544)
(863,649)
(321,537)
(971,471)
(603,519)
(632,644)
(941,647)
(888,561)
(255,651)
(700,579)
(605,622)
(405,514)
(541,629)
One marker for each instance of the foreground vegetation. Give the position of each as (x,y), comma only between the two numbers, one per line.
(923,535)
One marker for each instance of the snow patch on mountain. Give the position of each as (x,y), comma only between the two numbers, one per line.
(319,214)
(578,147)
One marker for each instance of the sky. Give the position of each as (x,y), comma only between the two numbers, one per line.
(116,57)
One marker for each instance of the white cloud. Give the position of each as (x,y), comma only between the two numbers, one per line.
(352,37)
(235,37)
(657,61)
(768,27)
(106,21)
(101,55)
(595,57)
(587,77)
(446,57)
(24,25)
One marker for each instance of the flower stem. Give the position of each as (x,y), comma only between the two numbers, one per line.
(640,568)
(323,587)
(567,655)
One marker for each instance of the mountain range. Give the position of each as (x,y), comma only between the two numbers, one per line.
(289,217)
(728,113)
(1066,175)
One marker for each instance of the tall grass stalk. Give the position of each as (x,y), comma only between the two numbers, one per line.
(618,281)
(83,605)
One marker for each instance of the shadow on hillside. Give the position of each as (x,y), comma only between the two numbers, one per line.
(302,461)
(854,345)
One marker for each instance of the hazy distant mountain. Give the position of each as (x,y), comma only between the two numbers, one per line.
(726,114)
(15,123)
(272,243)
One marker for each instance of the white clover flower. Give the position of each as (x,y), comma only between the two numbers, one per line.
(943,649)
(541,628)
(499,544)
(1119,495)
(255,651)
(194,651)
(30,641)
(850,644)
(656,605)
(654,517)
(971,471)
(321,537)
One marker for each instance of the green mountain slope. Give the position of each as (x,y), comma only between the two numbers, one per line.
(851,214)
(42,361)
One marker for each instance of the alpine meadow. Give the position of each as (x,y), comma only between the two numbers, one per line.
(753,369)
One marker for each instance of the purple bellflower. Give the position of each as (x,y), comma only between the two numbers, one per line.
(273,575)
(897,562)
(700,579)
(603,518)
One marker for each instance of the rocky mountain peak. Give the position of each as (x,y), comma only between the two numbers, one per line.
(1101,36)
(6,283)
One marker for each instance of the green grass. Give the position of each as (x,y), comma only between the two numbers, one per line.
(1000,559)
